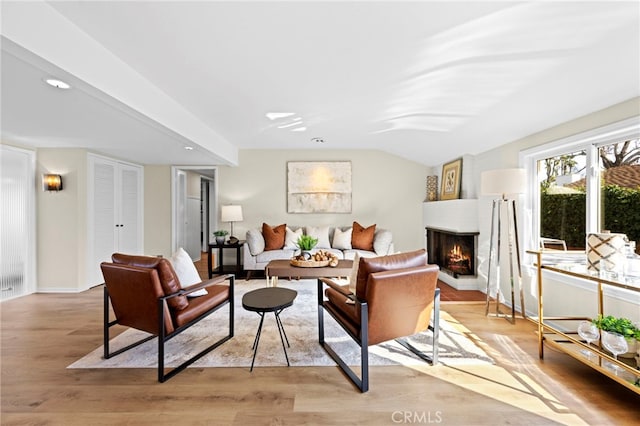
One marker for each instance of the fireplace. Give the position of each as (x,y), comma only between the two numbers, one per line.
(454,252)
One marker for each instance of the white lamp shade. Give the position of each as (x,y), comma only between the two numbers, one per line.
(503,181)
(231,213)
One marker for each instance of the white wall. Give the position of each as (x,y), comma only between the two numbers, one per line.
(62,221)
(157,210)
(387,190)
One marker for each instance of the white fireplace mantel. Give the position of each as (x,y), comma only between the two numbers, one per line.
(451,215)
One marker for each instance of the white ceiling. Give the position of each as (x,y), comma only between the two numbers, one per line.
(428,81)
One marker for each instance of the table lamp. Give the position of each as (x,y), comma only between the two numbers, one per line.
(231,213)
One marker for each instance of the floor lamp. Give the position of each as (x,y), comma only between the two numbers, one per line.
(503,214)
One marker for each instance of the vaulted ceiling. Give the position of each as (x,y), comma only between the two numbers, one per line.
(428,81)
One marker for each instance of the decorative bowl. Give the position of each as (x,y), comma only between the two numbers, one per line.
(309,263)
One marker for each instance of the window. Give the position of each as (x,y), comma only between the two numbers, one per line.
(562,199)
(619,188)
(587,183)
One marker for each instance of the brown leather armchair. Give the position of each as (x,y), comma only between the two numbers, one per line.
(145,294)
(395,297)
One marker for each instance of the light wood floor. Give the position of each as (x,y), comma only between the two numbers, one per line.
(42,334)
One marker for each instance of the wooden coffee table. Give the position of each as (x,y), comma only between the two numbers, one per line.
(283,268)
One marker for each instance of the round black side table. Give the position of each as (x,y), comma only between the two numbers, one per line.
(269,299)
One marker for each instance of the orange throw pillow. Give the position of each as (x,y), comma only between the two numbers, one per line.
(361,237)
(274,236)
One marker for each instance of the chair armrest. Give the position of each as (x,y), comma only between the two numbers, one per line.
(204,284)
(334,285)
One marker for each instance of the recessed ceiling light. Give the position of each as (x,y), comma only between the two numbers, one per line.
(59,84)
(188,148)
(299,129)
(276,115)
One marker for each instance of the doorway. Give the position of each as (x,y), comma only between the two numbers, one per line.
(194,207)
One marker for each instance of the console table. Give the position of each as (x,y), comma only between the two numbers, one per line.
(221,269)
(567,342)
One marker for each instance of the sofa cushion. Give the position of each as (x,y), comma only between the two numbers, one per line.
(217,295)
(186,271)
(350,254)
(382,241)
(269,255)
(342,239)
(361,237)
(321,233)
(274,236)
(255,241)
(291,238)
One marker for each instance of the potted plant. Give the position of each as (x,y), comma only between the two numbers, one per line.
(622,326)
(306,243)
(220,236)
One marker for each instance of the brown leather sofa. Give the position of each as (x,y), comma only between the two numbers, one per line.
(145,294)
(395,297)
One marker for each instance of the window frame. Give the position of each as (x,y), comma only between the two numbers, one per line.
(588,141)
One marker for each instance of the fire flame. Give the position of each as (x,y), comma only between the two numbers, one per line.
(456,254)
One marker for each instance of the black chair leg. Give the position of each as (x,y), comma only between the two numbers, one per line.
(162,377)
(361,382)
(162,339)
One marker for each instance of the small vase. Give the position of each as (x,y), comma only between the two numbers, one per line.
(220,240)
(306,254)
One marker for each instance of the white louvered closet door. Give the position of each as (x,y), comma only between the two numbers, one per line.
(104,240)
(129,232)
(115,212)
(17,218)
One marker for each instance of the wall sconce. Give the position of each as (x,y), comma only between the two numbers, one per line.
(51,182)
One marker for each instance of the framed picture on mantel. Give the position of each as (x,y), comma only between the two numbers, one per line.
(451,177)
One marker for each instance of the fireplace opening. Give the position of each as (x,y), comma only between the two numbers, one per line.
(454,252)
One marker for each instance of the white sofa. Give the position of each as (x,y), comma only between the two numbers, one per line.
(256,258)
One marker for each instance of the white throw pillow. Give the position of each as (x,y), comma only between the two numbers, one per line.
(255,240)
(291,238)
(342,239)
(382,242)
(321,233)
(186,271)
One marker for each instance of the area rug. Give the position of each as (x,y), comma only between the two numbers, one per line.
(301,326)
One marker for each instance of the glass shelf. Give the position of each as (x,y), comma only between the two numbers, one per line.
(574,264)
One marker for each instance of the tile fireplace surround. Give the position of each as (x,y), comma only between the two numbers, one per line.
(454,216)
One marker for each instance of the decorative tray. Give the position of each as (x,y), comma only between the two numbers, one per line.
(309,263)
